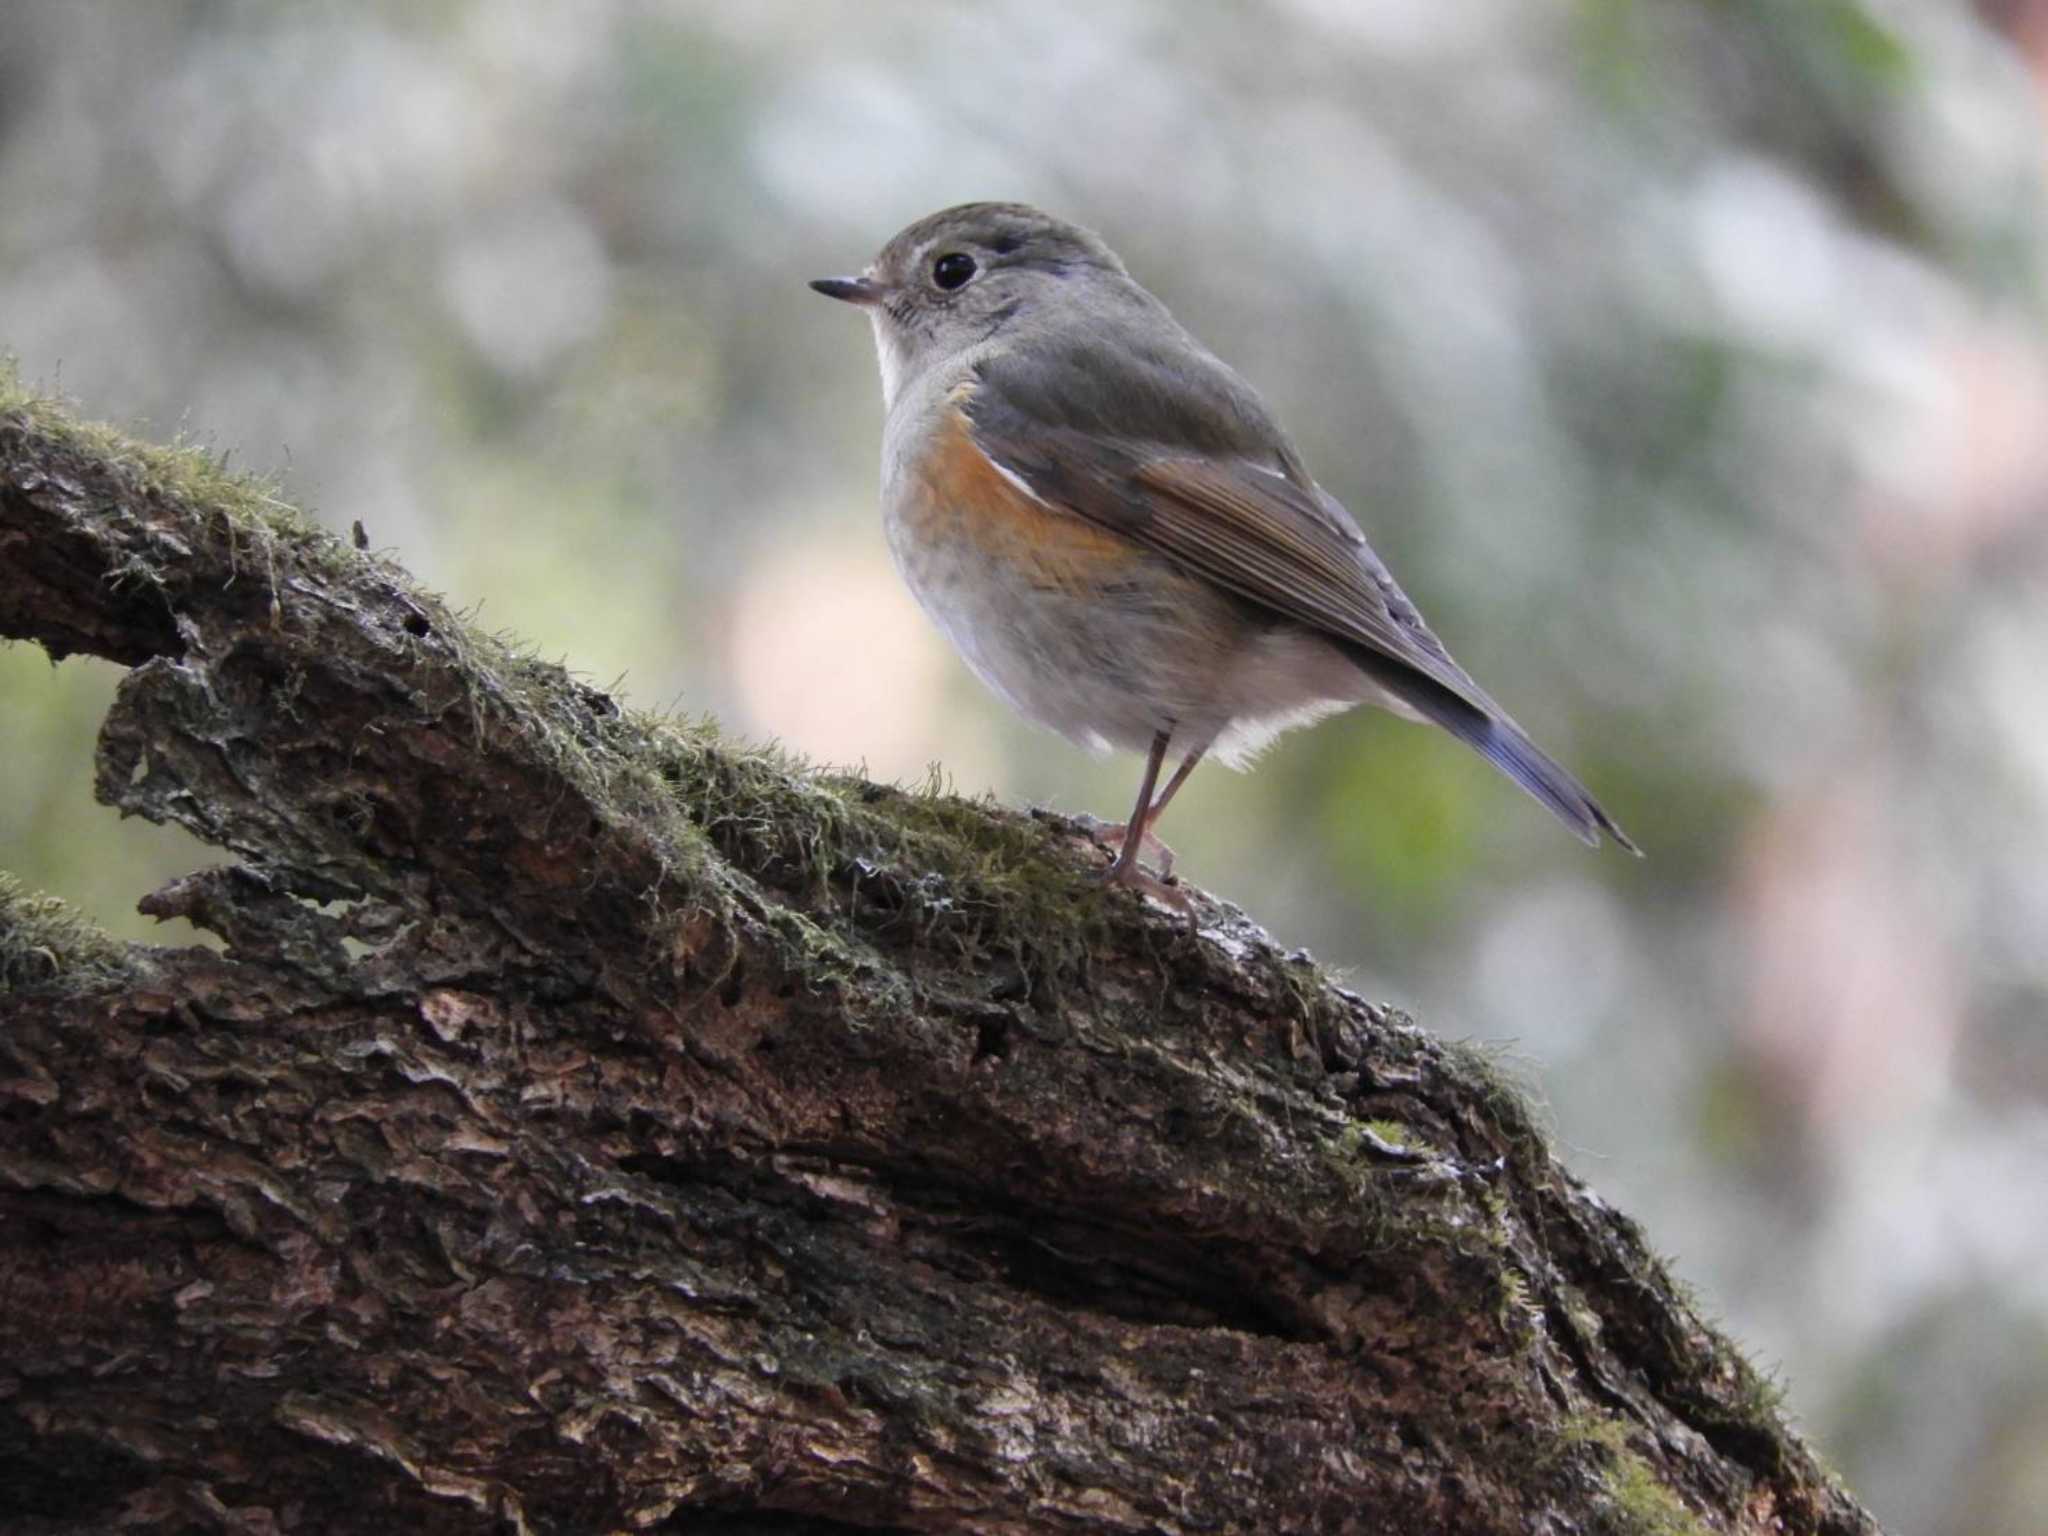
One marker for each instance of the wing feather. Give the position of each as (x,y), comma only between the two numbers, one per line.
(1212,484)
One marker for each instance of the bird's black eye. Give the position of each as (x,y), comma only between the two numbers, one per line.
(952,269)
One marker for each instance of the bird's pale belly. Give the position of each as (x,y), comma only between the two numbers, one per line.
(1083,631)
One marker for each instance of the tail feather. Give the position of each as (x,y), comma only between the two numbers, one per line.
(1501,742)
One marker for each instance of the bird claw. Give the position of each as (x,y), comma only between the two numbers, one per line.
(1162,889)
(1109,836)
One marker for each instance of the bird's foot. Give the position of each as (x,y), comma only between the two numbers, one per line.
(1109,836)
(1161,888)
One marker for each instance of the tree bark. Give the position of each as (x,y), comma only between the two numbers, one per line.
(588,1124)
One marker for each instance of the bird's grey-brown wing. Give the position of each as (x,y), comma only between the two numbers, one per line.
(1162,443)
(1172,450)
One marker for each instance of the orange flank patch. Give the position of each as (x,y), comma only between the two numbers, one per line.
(967,499)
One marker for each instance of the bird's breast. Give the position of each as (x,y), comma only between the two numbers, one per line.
(951,507)
(1077,627)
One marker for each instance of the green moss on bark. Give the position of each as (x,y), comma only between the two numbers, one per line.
(44,944)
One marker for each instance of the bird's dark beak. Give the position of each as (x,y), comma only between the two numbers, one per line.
(855,290)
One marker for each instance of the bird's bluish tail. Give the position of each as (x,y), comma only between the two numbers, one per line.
(1501,742)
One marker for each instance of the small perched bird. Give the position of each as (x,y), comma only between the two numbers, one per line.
(1118,537)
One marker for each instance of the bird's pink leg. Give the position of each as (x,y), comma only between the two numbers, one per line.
(1123,869)
(1136,835)
(1113,834)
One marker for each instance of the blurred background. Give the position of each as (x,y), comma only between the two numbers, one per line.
(1685,359)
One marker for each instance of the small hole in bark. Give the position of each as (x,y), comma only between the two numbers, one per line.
(735,984)
(677,1172)
(991,1038)
(1011,987)
(416,624)
(862,1393)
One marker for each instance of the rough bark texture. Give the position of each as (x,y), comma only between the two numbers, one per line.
(590,1125)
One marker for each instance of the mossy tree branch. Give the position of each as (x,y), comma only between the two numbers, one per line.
(591,1124)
